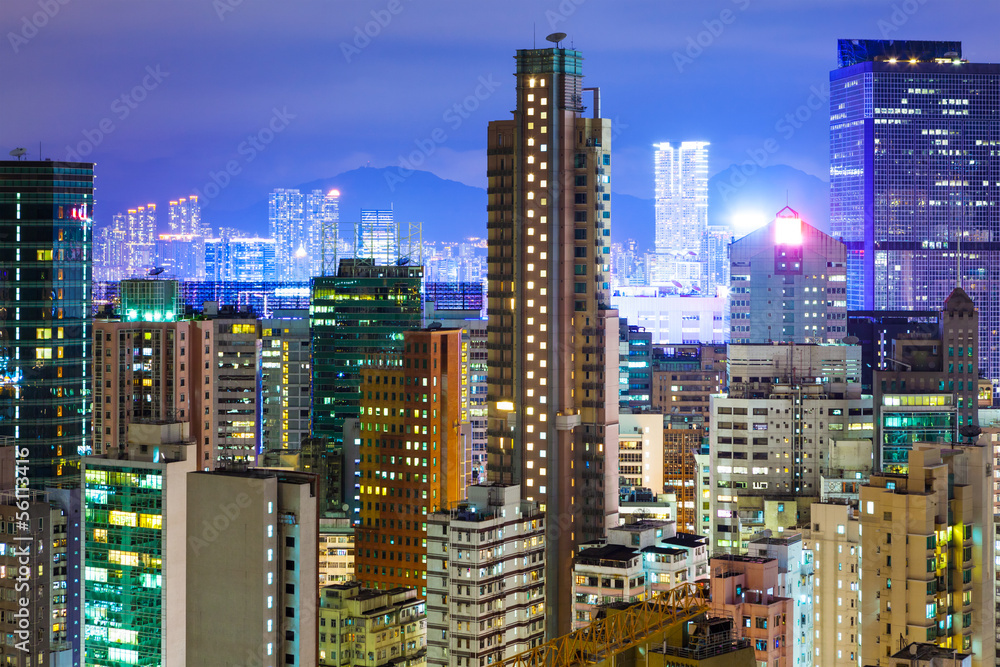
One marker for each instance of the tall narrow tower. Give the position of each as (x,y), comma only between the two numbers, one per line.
(46,224)
(552,337)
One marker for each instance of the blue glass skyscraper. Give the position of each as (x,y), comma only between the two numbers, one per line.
(915,178)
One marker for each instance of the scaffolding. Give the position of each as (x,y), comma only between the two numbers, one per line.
(610,636)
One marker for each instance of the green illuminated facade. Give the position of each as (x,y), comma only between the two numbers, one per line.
(130,593)
(46,211)
(364,309)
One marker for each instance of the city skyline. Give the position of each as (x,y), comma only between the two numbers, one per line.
(316,438)
(176,152)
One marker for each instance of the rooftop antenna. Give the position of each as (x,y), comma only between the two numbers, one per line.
(534,37)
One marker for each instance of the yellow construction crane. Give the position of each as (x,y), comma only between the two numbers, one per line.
(617,632)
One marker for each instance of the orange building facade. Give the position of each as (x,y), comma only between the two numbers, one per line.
(410,455)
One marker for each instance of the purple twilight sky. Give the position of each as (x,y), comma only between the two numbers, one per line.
(164,94)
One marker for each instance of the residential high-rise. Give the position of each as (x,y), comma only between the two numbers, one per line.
(746,588)
(794,414)
(364,309)
(411,452)
(285,383)
(684,379)
(485,588)
(225,350)
(916,219)
(834,537)
(140,374)
(927,555)
(787,284)
(552,336)
(286,217)
(395,623)
(46,211)
(141,239)
(377,237)
(681,195)
(185,216)
(261,571)
(795,565)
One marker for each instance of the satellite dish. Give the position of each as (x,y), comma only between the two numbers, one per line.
(156,271)
(851,340)
(556,37)
(18,152)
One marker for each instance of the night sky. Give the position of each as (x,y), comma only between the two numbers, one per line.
(162,95)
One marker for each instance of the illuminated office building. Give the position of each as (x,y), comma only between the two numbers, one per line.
(46,213)
(160,564)
(135,550)
(714,258)
(787,284)
(552,336)
(363,309)
(410,455)
(914,192)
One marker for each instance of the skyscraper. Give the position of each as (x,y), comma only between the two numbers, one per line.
(552,336)
(361,310)
(185,216)
(141,239)
(411,454)
(287,224)
(914,191)
(322,218)
(377,237)
(46,213)
(681,194)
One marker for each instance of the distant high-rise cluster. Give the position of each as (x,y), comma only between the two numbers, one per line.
(303,229)
(132,246)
